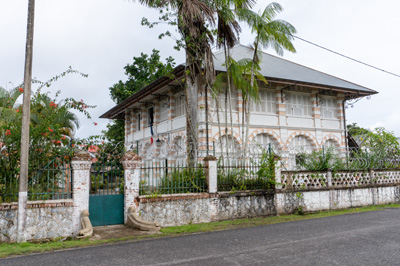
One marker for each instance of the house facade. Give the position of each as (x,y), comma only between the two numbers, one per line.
(299,110)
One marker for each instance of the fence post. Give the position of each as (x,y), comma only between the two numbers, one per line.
(131,163)
(329,178)
(80,164)
(278,173)
(210,163)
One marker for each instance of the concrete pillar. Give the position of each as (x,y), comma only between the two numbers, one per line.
(80,164)
(131,163)
(278,173)
(329,178)
(210,163)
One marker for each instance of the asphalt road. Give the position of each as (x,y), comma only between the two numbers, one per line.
(370,238)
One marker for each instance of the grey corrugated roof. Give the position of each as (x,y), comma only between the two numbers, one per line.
(277,68)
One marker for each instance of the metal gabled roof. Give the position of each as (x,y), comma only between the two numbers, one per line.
(274,67)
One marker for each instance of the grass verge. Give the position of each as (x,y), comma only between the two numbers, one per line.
(7,250)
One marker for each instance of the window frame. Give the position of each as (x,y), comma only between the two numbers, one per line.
(305,108)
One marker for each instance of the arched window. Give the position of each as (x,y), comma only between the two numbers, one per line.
(264,142)
(298,148)
(332,145)
(229,146)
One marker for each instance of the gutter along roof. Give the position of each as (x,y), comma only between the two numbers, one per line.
(274,68)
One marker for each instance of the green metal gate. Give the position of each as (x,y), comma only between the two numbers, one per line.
(106,199)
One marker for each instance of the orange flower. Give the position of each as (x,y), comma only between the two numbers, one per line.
(21,90)
(8,132)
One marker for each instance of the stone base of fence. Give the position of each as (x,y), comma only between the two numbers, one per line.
(45,219)
(181,209)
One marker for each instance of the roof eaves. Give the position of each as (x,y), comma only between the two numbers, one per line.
(115,112)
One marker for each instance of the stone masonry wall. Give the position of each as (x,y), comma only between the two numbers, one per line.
(245,204)
(44,220)
(333,199)
(180,209)
(177,209)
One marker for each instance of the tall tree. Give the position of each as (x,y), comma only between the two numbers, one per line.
(144,70)
(270,33)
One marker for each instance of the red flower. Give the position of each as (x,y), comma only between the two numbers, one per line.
(58,142)
(63,137)
(9,107)
(93,148)
(95,123)
(8,132)
(17,110)
(21,90)
(50,129)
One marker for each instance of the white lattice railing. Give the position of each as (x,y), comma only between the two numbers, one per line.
(316,180)
(303,180)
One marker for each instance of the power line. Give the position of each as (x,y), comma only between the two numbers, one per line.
(345,56)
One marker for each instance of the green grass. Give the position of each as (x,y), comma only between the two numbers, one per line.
(7,250)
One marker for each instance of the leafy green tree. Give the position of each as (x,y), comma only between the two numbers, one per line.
(355,130)
(144,70)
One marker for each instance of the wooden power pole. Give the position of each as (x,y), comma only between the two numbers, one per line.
(23,176)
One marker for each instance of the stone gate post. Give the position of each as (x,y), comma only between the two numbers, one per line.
(80,164)
(210,163)
(131,163)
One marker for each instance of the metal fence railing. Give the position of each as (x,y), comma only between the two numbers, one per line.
(47,179)
(171,177)
(246,174)
(106,177)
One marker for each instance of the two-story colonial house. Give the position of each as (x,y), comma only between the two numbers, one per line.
(299,107)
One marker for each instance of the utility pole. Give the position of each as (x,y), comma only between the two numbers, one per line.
(26,111)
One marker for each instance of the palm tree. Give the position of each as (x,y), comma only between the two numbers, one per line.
(8,104)
(192,19)
(277,34)
(228,30)
(45,107)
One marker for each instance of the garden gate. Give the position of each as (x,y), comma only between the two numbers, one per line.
(106,199)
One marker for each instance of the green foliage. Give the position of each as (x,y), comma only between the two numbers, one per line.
(258,174)
(180,180)
(354,130)
(51,146)
(321,160)
(144,70)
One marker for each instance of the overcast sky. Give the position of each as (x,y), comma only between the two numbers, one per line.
(99,37)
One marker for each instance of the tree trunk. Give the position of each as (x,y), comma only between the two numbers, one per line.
(23,180)
(192,126)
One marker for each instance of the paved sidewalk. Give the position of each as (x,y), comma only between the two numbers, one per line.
(117,231)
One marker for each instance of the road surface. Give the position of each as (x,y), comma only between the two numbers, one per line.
(370,238)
